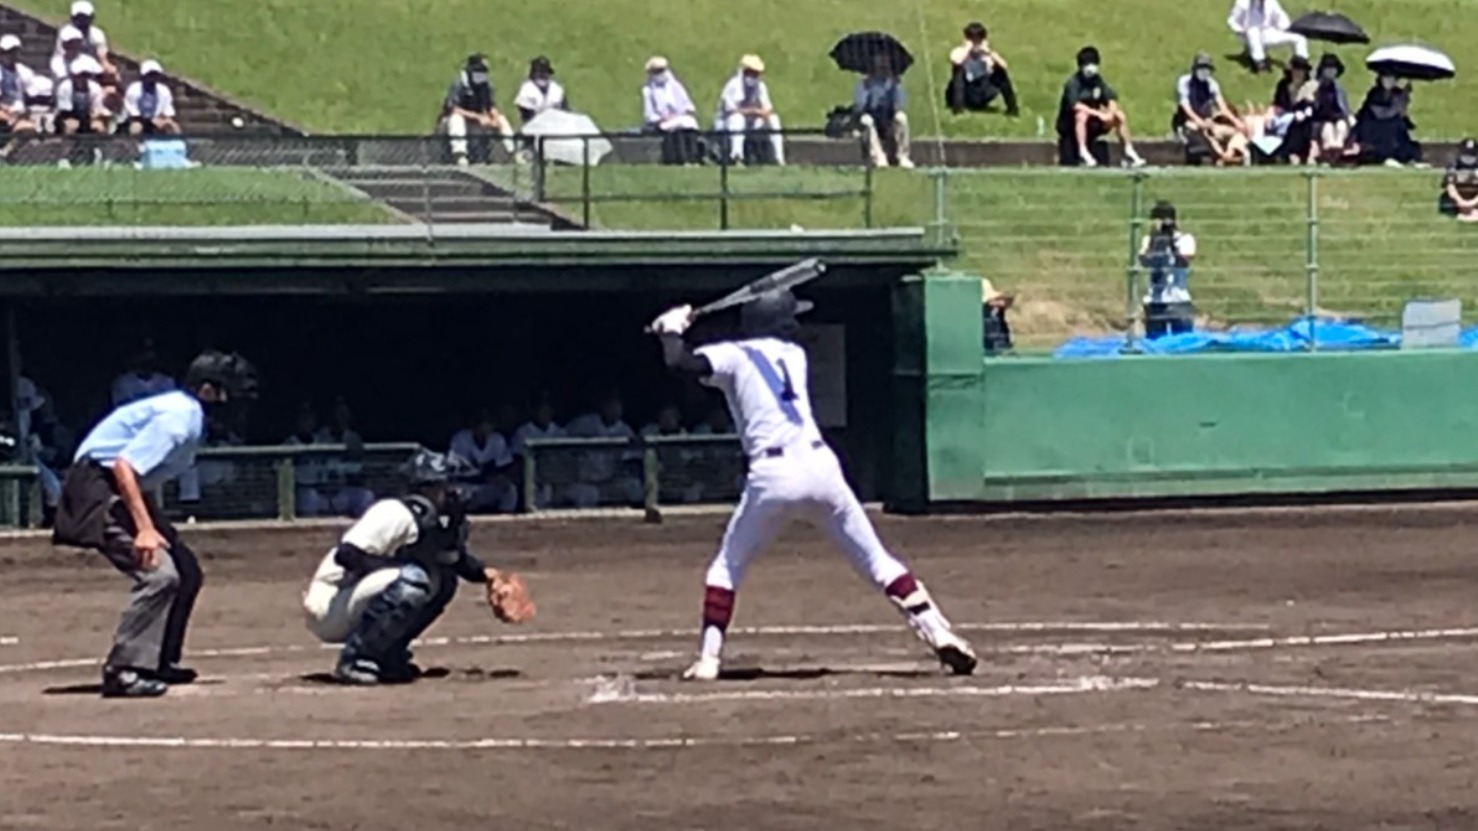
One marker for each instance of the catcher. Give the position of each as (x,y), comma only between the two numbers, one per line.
(394,572)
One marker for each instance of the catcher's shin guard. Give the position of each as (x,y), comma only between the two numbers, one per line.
(392,619)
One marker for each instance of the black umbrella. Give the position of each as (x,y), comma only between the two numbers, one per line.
(856,52)
(1329,27)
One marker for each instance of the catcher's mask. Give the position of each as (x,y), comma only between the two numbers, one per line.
(227,372)
(428,470)
(773,314)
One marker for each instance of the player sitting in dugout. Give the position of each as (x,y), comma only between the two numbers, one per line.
(394,572)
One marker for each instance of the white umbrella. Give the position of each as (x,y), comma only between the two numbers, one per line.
(1419,63)
(556,125)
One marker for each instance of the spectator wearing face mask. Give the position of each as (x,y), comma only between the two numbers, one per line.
(80,100)
(1459,197)
(1166,254)
(978,75)
(82,37)
(1089,110)
(1260,24)
(149,103)
(15,79)
(878,101)
(668,110)
(744,106)
(1383,127)
(539,92)
(1331,115)
(1204,120)
(470,106)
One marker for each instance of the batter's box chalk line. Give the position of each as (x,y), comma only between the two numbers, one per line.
(667,743)
(9,640)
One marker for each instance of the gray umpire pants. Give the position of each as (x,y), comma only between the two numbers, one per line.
(151,633)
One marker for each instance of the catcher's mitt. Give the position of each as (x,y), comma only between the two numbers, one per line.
(509,598)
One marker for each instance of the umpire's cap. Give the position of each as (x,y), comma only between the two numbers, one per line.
(225,371)
(428,467)
(772,313)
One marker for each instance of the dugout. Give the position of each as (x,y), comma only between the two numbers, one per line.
(418,328)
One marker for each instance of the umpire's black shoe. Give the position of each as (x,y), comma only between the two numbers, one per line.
(130,683)
(174,675)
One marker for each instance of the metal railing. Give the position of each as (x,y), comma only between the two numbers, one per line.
(1274,245)
(249,179)
(646,473)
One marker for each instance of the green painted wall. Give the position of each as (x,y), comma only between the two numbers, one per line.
(1219,424)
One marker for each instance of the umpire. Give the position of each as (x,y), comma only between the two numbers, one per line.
(106,506)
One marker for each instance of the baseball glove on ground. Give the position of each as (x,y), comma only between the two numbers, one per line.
(509,597)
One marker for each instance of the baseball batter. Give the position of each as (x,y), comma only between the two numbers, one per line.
(394,572)
(792,473)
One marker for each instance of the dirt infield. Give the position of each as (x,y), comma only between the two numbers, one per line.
(1257,670)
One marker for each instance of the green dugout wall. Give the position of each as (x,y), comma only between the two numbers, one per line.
(1026,429)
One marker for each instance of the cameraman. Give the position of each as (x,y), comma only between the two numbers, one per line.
(1166,254)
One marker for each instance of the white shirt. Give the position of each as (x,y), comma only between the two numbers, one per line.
(735,95)
(26,80)
(1171,289)
(130,386)
(385,528)
(133,99)
(93,41)
(492,452)
(764,382)
(96,104)
(530,430)
(1271,16)
(530,97)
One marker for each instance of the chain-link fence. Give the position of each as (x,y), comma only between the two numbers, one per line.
(649,473)
(1271,245)
(626,181)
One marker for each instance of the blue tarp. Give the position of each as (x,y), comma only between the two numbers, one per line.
(1327,335)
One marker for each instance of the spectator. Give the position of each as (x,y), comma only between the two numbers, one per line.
(539,92)
(1088,111)
(1204,120)
(677,480)
(346,471)
(743,106)
(81,101)
(1383,128)
(605,475)
(995,331)
(487,450)
(143,378)
(1331,115)
(1263,23)
(149,103)
(978,75)
(1459,197)
(878,101)
(89,40)
(540,426)
(471,106)
(1166,253)
(1283,130)
(68,50)
(318,492)
(667,110)
(15,79)
(41,102)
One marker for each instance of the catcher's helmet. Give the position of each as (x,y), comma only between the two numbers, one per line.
(225,371)
(430,468)
(772,313)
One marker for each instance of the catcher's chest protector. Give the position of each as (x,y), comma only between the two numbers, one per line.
(439,538)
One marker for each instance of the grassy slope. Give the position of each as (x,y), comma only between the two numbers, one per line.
(381,65)
(207,196)
(1059,240)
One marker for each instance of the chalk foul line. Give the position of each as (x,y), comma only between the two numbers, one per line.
(621,691)
(1296,691)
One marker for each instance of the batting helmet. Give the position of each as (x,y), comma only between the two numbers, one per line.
(772,313)
(224,371)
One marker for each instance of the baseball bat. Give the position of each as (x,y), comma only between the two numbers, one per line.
(786,278)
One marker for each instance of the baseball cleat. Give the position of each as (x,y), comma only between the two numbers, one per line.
(174,675)
(706,668)
(358,672)
(130,683)
(954,653)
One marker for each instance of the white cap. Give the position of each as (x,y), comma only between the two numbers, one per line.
(9,42)
(656,64)
(70,33)
(86,65)
(148,67)
(83,7)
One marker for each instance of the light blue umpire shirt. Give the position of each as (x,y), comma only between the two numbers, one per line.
(157,436)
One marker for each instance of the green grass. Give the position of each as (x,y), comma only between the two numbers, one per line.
(205,196)
(382,65)
(1059,240)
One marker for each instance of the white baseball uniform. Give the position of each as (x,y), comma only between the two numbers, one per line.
(792,471)
(493,452)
